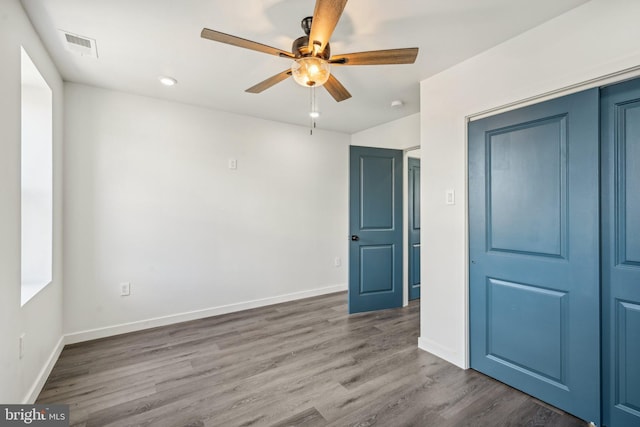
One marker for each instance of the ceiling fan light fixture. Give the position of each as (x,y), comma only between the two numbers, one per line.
(310,71)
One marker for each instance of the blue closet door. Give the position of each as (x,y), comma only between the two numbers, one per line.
(534,251)
(621,253)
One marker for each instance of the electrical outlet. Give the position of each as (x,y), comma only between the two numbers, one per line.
(21,347)
(125,289)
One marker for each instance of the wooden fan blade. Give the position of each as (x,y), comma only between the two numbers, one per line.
(325,18)
(266,84)
(377,57)
(217,36)
(335,88)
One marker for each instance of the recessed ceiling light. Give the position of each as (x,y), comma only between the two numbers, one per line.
(314,114)
(397,103)
(167,81)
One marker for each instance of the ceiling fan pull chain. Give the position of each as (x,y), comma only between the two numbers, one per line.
(310,110)
(313,110)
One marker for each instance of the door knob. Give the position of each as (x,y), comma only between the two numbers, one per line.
(355,238)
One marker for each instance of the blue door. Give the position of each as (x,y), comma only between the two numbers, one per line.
(534,251)
(620,138)
(414,228)
(375,223)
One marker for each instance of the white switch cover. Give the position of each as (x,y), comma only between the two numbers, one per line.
(233,164)
(125,289)
(337,262)
(451,197)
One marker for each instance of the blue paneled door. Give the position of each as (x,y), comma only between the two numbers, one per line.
(414,228)
(375,223)
(534,251)
(620,138)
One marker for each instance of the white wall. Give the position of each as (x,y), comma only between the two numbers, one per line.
(150,200)
(41,318)
(594,40)
(399,134)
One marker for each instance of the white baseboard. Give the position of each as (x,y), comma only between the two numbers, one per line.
(442,352)
(41,379)
(124,328)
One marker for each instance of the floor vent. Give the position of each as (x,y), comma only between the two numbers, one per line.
(79,44)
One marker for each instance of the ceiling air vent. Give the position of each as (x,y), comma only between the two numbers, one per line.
(79,44)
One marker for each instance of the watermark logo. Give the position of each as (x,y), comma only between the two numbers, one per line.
(34,415)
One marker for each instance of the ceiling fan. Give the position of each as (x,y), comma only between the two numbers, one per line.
(312,53)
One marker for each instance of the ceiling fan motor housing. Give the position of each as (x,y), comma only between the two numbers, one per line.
(300,49)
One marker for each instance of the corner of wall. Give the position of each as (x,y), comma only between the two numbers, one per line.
(39,321)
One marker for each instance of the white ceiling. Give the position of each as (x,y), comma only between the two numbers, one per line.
(139,40)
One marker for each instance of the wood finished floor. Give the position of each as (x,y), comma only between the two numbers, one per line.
(303,363)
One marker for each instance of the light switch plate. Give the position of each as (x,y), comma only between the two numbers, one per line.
(125,289)
(450,197)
